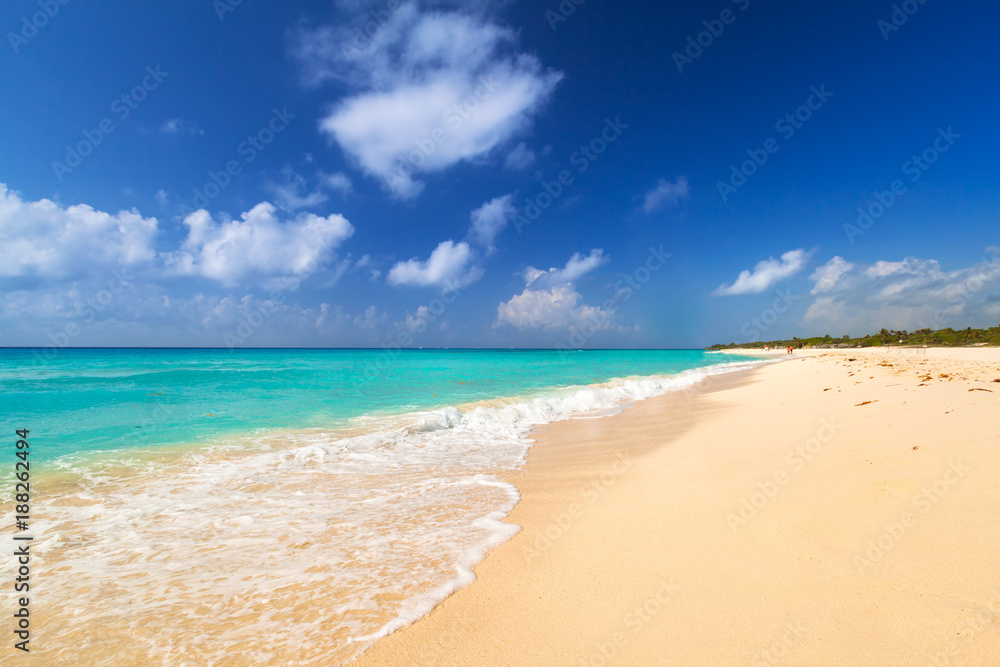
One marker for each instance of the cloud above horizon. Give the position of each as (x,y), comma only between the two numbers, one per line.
(259,247)
(101,273)
(450,265)
(827,276)
(45,239)
(433,89)
(577,267)
(766,274)
(909,294)
(550,299)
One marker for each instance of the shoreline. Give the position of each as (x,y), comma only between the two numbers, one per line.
(687,530)
(346,538)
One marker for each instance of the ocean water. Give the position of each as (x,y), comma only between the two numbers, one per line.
(281,506)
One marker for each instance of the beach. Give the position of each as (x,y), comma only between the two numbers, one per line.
(836,508)
(268,506)
(439,332)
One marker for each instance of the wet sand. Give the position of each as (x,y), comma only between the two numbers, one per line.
(819,511)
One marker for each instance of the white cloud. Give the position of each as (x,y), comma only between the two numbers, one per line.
(142,313)
(433,89)
(370,318)
(520,157)
(180,126)
(161,197)
(292,192)
(880,269)
(555,308)
(910,294)
(338,182)
(221,315)
(666,194)
(419,321)
(259,247)
(490,219)
(41,238)
(290,198)
(550,301)
(826,276)
(577,266)
(766,274)
(450,265)
(365,260)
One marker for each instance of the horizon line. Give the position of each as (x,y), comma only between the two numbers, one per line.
(414,349)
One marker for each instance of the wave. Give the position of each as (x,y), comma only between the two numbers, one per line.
(349,534)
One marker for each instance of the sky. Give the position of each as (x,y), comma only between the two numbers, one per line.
(575,174)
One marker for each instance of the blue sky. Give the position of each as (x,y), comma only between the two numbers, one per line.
(354,173)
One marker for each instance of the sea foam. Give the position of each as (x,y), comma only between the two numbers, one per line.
(302,545)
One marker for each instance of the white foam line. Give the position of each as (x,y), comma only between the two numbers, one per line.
(419,606)
(259,504)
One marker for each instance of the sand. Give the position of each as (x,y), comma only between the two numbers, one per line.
(817,511)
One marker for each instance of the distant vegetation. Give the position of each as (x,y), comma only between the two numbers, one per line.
(945,338)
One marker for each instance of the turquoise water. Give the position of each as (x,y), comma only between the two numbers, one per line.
(286,506)
(99,399)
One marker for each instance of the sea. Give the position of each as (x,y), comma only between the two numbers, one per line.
(201,506)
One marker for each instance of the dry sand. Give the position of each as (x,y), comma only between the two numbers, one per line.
(819,511)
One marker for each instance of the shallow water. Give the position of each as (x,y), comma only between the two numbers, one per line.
(302,527)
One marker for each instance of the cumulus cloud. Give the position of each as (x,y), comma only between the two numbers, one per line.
(490,219)
(555,308)
(78,276)
(432,89)
(520,157)
(826,276)
(909,294)
(418,322)
(766,274)
(577,266)
(45,239)
(454,264)
(666,193)
(259,247)
(550,300)
(450,265)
